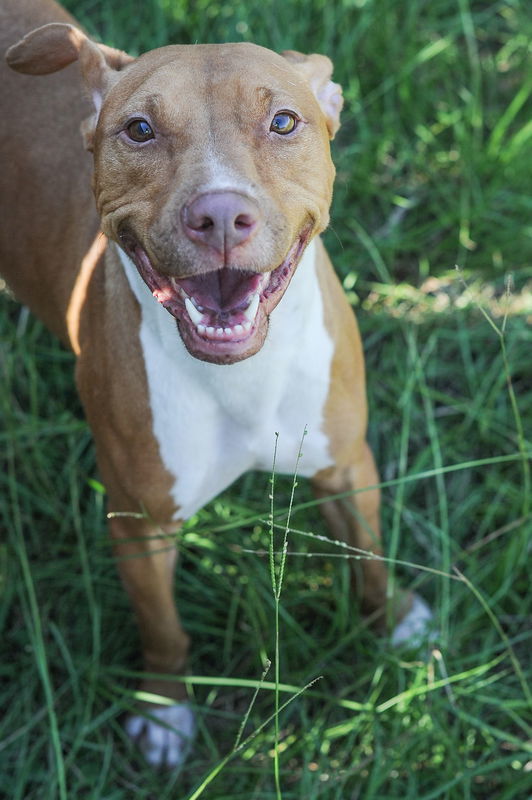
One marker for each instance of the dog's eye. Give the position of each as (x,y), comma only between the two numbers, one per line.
(140,131)
(284,122)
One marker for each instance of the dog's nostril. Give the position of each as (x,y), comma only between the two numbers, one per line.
(244,221)
(204,224)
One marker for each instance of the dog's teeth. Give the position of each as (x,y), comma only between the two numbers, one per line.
(195,315)
(162,295)
(264,281)
(219,333)
(251,311)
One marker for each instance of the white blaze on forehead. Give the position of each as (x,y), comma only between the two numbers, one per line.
(221,176)
(214,422)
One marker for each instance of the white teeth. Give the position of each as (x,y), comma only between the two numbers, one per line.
(251,311)
(195,315)
(162,295)
(264,281)
(219,333)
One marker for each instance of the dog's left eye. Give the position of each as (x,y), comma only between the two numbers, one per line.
(140,131)
(284,122)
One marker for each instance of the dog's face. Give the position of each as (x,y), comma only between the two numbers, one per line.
(212,172)
(194,138)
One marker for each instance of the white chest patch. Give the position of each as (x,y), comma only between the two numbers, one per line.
(212,422)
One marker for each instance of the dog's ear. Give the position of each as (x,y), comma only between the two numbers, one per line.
(53,47)
(317,70)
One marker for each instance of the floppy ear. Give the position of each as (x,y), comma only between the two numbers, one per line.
(317,70)
(53,47)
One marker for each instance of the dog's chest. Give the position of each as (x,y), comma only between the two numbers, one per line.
(211,422)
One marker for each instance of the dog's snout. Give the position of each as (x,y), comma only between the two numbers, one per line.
(221,220)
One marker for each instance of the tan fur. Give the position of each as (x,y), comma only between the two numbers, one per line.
(57,262)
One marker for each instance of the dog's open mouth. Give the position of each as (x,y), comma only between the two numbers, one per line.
(222,315)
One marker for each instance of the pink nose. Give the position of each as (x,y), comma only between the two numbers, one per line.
(221,220)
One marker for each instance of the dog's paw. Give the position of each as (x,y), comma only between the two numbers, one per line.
(415,629)
(164,734)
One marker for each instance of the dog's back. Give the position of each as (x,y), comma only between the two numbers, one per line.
(48,220)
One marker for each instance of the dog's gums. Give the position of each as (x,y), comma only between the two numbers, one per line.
(222,315)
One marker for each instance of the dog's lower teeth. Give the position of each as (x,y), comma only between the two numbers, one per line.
(251,311)
(211,332)
(198,319)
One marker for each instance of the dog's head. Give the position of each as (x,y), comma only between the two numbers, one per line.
(212,171)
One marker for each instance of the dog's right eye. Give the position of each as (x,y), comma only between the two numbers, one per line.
(140,131)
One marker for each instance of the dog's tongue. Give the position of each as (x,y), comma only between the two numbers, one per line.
(223,290)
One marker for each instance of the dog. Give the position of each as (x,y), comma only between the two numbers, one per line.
(162,219)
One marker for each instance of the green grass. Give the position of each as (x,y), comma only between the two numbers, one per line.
(434,169)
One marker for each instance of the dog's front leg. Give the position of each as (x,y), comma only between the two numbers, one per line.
(146,560)
(354,519)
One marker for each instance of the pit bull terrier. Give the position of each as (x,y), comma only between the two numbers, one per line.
(206,316)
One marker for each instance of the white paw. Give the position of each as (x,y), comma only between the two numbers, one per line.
(164,743)
(415,628)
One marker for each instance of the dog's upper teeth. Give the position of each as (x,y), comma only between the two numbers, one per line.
(264,281)
(251,311)
(195,315)
(162,295)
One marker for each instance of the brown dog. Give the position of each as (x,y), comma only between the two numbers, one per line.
(208,317)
